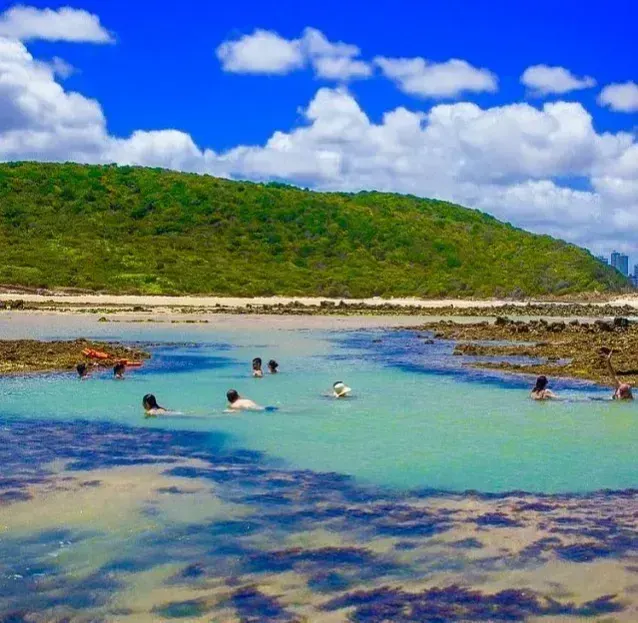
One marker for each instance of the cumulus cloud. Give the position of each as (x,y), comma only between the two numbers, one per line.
(263,52)
(513,161)
(27,23)
(38,118)
(417,76)
(266,52)
(620,97)
(545,80)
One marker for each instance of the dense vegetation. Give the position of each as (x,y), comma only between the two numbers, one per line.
(128,229)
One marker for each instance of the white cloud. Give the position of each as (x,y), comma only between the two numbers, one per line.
(543,80)
(61,68)
(333,61)
(263,52)
(510,160)
(38,118)
(620,97)
(27,23)
(266,52)
(417,76)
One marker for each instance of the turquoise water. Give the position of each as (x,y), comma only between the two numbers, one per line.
(416,420)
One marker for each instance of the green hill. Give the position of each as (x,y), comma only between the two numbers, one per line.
(128,229)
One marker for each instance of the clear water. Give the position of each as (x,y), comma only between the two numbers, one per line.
(416,420)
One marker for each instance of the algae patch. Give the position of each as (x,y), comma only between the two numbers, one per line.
(17,356)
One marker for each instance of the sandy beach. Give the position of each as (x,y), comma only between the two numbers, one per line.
(203,302)
(236,302)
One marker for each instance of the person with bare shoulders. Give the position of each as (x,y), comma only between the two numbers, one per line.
(623,390)
(273,366)
(151,408)
(257,371)
(237,403)
(540,391)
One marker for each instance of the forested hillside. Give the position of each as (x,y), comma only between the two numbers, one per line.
(126,230)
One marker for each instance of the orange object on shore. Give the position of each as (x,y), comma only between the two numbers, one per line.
(95,354)
(132,364)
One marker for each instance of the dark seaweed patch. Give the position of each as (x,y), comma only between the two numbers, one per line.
(253,606)
(457,603)
(330,581)
(7,497)
(194,570)
(468,543)
(173,490)
(285,560)
(496,519)
(584,552)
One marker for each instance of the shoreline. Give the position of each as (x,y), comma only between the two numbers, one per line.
(204,301)
(209,306)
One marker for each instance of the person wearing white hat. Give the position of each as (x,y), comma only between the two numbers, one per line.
(340,389)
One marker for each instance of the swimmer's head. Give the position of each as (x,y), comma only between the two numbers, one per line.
(624,392)
(257,363)
(150,402)
(118,368)
(340,389)
(81,368)
(232,395)
(272,366)
(541,384)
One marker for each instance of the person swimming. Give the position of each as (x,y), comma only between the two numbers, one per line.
(623,390)
(237,403)
(540,391)
(272,366)
(257,371)
(83,371)
(118,370)
(149,402)
(340,390)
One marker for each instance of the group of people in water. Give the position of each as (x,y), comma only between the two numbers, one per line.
(118,370)
(235,401)
(622,390)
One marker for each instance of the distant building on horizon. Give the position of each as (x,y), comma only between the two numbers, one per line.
(620,262)
(604,260)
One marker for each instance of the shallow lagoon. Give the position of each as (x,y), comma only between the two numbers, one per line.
(417,418)
(306,513)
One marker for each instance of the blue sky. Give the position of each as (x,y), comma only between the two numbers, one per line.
(153,87)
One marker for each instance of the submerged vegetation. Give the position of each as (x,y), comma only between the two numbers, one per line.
(137,230)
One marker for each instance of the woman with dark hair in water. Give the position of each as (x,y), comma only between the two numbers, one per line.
(540,391)
(149,402)
(272,366)
(257,371)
